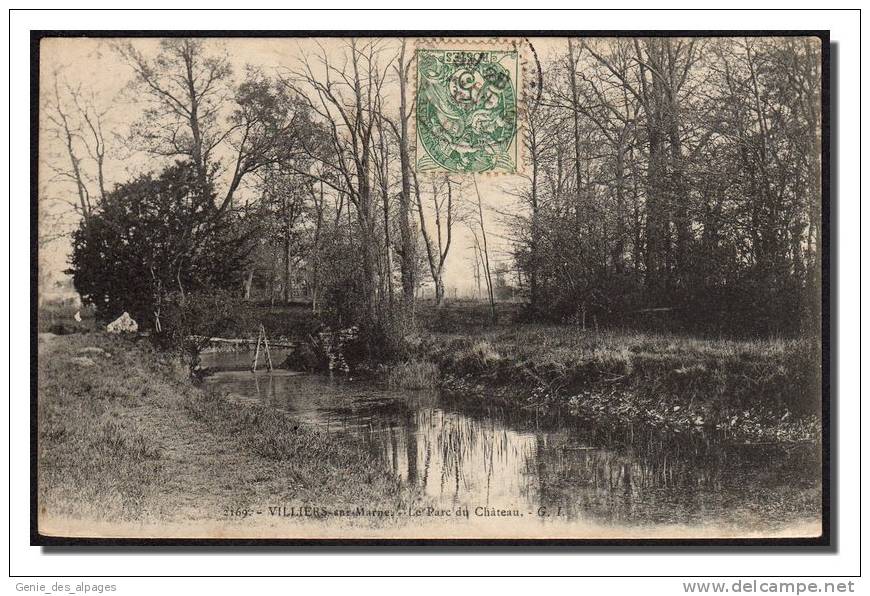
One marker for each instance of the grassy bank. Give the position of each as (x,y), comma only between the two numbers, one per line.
(748,389)
(124,436)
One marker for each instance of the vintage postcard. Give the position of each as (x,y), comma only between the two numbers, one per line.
(469,287)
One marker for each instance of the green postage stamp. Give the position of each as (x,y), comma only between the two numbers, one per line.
(467,110)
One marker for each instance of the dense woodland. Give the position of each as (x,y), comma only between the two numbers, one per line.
(667,180)
(677,173)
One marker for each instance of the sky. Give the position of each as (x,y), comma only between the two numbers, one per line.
(95,67)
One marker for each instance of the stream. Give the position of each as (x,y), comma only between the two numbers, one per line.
(460,452)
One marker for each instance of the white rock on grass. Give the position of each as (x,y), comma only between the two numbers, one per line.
(123,324)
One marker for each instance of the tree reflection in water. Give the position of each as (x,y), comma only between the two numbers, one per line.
(488,456)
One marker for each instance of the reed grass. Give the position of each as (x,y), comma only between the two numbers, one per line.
(414,374)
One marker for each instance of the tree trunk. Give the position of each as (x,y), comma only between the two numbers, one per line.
(575,104)
(249,281)
(679,194)
(288,256)
(288,271)
(486,267)
(439,290)
(534,236)
(619,246)
(654,216)
(408,258)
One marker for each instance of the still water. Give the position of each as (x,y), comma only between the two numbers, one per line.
(459,452)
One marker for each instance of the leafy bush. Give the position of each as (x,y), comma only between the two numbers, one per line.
(348,301)
(153,236)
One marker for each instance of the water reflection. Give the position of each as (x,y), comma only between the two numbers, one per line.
(486,456)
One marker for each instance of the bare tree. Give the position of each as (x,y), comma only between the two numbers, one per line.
(76,124)
(408,241)
(188,93)
(185,90)
(483,248)
(345,93)
(438,247)
(656,73)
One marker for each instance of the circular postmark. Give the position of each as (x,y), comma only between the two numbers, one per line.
(466,110)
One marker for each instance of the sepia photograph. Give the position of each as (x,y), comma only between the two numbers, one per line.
(398,287)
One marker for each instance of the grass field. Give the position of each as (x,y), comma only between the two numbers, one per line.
(124,436)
